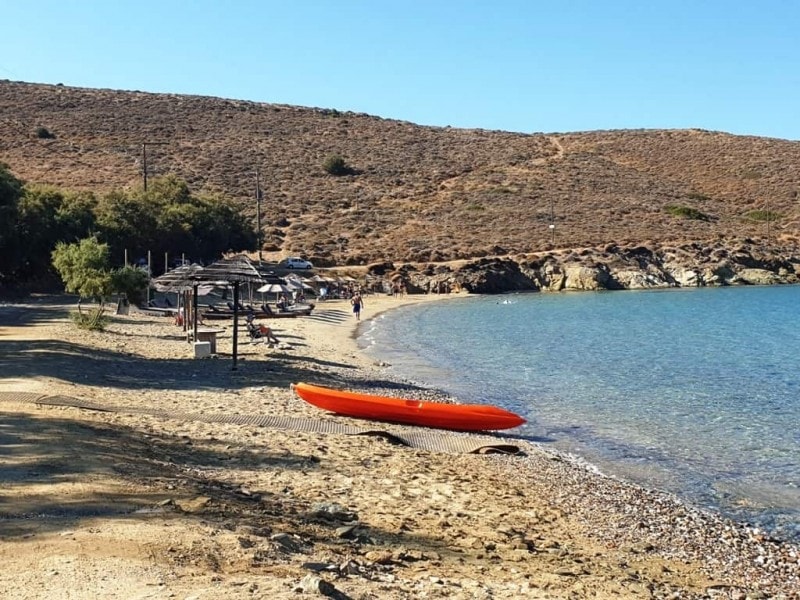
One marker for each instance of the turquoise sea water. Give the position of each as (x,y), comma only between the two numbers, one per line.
(695,392)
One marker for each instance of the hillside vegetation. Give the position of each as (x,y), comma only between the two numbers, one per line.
(408,193)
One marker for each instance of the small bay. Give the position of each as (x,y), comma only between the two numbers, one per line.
(694,392)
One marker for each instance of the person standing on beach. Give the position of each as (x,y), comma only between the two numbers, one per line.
(358,304)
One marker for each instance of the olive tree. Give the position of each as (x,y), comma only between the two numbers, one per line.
(84,269)
(132,282)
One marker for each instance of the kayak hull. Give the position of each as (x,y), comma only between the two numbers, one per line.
(458,417)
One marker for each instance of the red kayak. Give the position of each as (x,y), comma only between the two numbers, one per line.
(459,417)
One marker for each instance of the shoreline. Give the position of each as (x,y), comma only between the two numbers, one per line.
(750,508)
(202,508)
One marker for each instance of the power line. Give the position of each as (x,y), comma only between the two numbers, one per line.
(74,150)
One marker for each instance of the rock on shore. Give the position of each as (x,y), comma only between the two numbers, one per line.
(611,267)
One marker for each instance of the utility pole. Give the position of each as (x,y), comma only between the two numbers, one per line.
(258,215)
(144,159)
(768,215)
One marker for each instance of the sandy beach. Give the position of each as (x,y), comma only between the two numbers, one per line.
(167,484)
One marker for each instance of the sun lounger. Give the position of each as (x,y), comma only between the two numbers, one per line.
(159,309)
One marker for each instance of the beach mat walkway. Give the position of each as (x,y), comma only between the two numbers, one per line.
(413,437)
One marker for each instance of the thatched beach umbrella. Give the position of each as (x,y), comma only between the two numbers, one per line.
(180,281)
(227,271)
(235,271)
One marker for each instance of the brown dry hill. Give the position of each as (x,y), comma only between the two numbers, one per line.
(415,193)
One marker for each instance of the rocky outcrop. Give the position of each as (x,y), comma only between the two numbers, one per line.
(492,276)
(613,268)
(759,277)
(579,277)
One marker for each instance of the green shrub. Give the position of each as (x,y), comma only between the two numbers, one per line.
(763,215)
(687,212)
(44,134)
(93,320)
(335,165)
(132,282)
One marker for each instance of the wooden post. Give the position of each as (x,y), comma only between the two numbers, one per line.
(149,276)
(235,322)
(186,310)
(194,312)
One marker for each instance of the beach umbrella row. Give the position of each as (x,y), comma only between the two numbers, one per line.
(321,279)
(231,271)
(296,283)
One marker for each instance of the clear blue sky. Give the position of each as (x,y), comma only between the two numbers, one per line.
(516,65)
